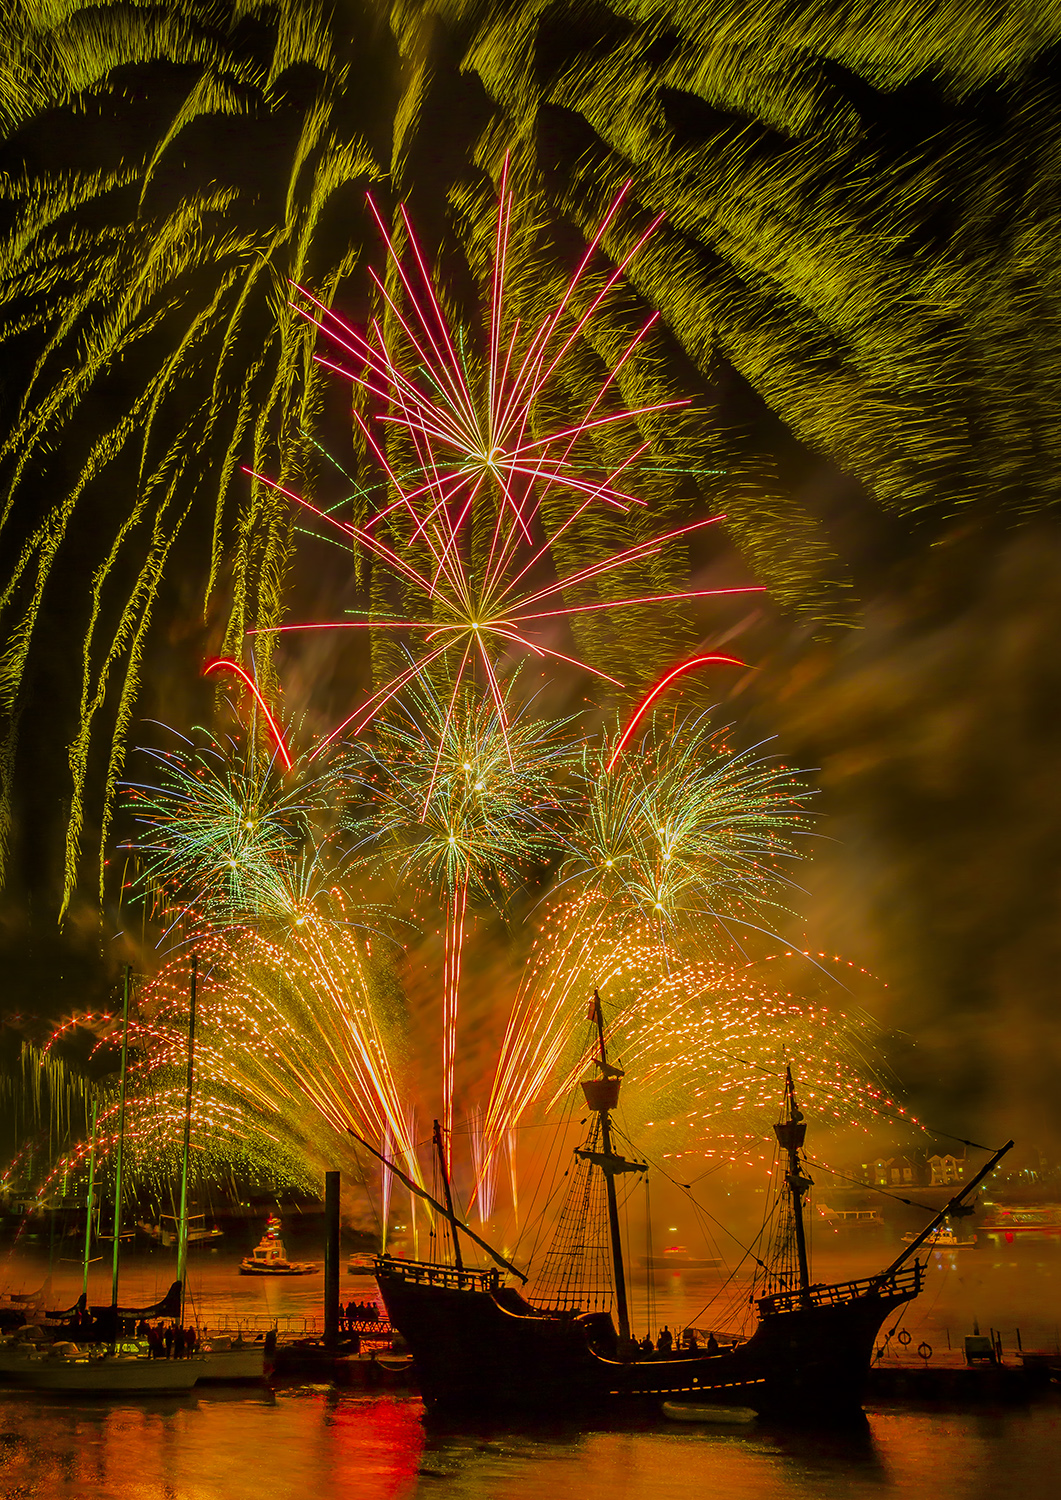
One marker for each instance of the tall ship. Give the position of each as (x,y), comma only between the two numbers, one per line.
(480,1342)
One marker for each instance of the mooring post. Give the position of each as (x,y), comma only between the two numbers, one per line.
(331,1259)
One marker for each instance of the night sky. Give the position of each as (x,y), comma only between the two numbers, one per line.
(857,275)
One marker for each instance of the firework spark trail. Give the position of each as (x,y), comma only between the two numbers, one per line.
(462,796)
(673,847)
(292,1048)
(577,947)
(225,664)
(710,1041)
(703,1041)
(455,915)
(477,450)
(658,689)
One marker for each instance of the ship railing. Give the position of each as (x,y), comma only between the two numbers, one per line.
(425,1273)
(906,1282)
(251,1326)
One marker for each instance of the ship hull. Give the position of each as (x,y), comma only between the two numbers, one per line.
(476,1348)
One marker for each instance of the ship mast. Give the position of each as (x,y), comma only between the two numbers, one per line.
(602,1096)
(790,1134)
(437,1138)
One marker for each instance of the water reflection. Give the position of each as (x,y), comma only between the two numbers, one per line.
(314,1443)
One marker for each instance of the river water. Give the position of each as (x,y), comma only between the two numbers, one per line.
(304,1442)
(314,1444)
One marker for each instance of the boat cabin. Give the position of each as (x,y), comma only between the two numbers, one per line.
(268,1251)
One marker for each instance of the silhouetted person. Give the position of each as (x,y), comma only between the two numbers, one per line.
(665,1342)
(646,1346)
(167,1340)
(712,1344)
(142,1329)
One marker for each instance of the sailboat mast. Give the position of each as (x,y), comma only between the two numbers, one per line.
(606,1096)
(437,1137)
(121,1143)
(90,1198)
(790,1134)
(182,1227)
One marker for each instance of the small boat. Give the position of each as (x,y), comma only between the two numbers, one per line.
(166,1238)
(361,1265)
(943,1238)
(691,1411)
(269,1258)
(851,1218)
(677,1258)
(232,1359)
(1045,1219)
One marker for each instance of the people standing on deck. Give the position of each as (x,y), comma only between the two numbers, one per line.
(712,1344)
(665,1342)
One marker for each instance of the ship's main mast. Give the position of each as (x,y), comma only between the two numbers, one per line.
(790,1134)
(602,1096)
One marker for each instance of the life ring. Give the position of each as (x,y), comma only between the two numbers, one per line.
(925,1351)
(904,1337)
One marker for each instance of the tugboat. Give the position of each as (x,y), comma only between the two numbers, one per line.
(479,1343)
(269,1258)
(944,1237)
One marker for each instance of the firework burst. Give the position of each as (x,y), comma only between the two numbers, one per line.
(686,831)
(462,795)
(468,531)
(230,834)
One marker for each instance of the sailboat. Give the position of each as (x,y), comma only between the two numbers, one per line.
(220,1358)
(479,1342)
(103,1360)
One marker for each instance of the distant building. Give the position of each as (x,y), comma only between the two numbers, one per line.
(946,1168)
(895,1171)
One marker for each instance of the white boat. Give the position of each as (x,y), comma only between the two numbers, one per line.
(198,1234)
(851,1218)
(126,1367)
(269,1258)
(677,1258)
(1043,1218)
(690,1411)
(943,1238)
(228,1359)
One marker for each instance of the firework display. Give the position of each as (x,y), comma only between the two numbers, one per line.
(901,353)
(653,863)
